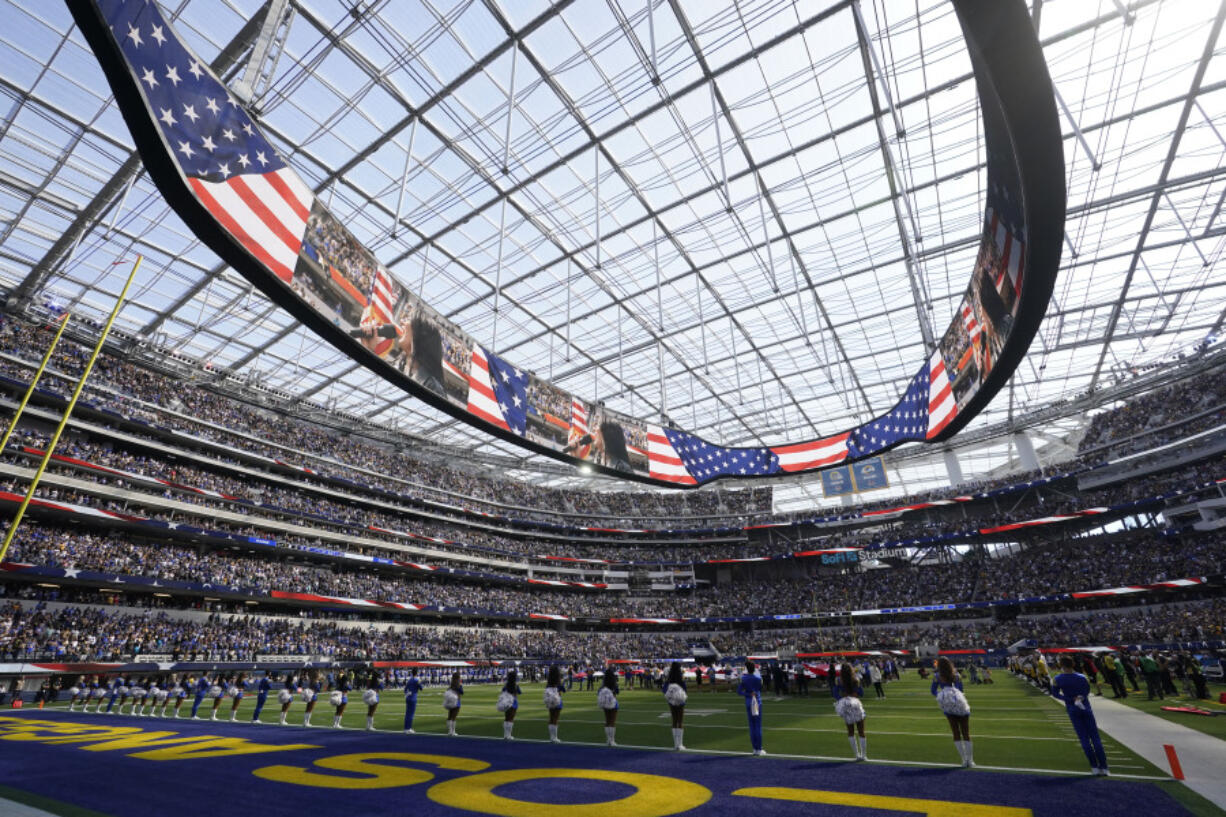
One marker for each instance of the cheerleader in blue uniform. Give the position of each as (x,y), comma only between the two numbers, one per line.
(947,687)
(221,684)
(451,702)
(310,695)
(374,685)
(750,688)
(411,688)
(340,698)
(676,695)
(261,696)
(553,701)
(180,691)
(286,696)
(202,687)
(140,693)
(97,690)
(848,706)
(508,703)
(79,691)
(119,691)
(606,699)
(161,695)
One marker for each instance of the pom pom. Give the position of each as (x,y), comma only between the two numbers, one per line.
(849,709)
(308,695)
(553,698)
(605,699)
(216,691)
(285,696)
(450,699)
(161,694)
(370,697)
(75,691)
(234,691)
(952,701)
(336,698)
(505,701)
(675,695)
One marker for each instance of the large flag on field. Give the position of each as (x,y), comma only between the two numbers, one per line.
(234,171)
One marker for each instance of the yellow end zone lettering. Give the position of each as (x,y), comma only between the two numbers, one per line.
(931,808)
(377,775)
(123,738)
(656,796)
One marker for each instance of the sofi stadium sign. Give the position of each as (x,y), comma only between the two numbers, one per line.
(211,160)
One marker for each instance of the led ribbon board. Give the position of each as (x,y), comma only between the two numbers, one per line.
(211,161)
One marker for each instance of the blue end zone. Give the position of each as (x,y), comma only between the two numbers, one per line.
(153,767)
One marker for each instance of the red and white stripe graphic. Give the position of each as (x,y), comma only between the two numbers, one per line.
(548,617)
(380,309)
(970,322)
(481,400)
(265,212)
(578,430)
(1044,520)
(941,404)
(1174,584)
(645,621)
(662,460)
(321,599)
(813,454)
(560,583)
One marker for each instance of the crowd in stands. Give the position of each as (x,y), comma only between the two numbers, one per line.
(85,633)
(1038,570)
(1160,416)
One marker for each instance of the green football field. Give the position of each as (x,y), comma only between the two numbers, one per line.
(1013,726)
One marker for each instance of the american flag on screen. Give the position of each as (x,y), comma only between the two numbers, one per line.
(706,461)
(908,420)
(497,391)
(663,461)
(380,306)
(579,432)
(234,171)
(813,454)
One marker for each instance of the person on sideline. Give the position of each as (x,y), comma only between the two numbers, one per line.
(553,699)
(947,687)
(750,688)
(847,706)
(451,702)
(508,703)
(606,699)
(411,688)
(675,694)
(374,685)
(1073,689)
(261,696)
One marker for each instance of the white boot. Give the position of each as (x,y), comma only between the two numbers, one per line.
(864,748)
(370,723)
(283,718)
(677,735)
(214,716)
(970,755)
(609,732)
(553,733)
(306,719)
(451,728)
(233,715)
(855,747)
(506,730)
(336,722)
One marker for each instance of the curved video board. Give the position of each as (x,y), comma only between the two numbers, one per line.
(210,160)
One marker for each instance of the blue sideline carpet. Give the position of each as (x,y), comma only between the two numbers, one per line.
(151,767)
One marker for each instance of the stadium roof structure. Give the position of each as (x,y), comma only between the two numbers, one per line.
(680,207)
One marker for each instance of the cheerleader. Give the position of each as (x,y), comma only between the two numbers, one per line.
(411,688)
(97,689)
(139,692)
(179,692)
(1073,689)
(750,688)
(286,697)
(236,692)
(78,691)
(162,698)
(310,695)
(847,705)
(202,689)
(451,702)
(508,703)
(947,687)
(553,701)
(116,686)
(262,689)
(218,691)
(124,691)
(676,695)
(340,698)
(374,685)
(606,699)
